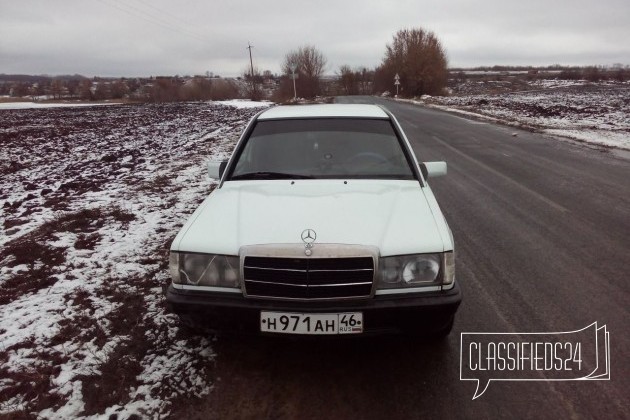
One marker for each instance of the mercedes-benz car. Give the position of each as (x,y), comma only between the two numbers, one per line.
(322,223)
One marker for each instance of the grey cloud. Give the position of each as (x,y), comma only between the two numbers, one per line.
(96,37)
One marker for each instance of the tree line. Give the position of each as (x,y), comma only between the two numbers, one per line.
(152,89)
(415,58)
(415,55)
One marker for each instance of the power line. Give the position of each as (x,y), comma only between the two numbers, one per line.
(164,22)
(166,12)
(141,14)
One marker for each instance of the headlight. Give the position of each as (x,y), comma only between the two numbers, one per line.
(409,271)
(205,269)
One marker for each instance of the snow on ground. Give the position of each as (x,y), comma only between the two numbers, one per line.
(594,113)
(90,200)
(556,83)
(235,103)
(33,105)
(244,103)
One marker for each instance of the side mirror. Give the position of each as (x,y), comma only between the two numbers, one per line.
(216,168)
(433,169)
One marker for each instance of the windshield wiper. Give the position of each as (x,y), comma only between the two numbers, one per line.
(269,175)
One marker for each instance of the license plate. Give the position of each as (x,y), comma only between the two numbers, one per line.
(322,324)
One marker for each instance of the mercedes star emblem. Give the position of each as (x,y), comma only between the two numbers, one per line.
(308,237)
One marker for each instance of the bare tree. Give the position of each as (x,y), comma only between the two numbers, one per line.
(224,89)
(254,83)
(418,57)
(103,90)
(199,88)
(118,89)
(85,90)
(593,74)
(56,88)
(359,81)
(310,64)
(164,89)
(365,81)
(348,80)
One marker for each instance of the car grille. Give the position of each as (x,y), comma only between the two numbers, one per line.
(308,278)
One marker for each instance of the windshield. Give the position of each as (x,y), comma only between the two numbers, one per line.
(322,148)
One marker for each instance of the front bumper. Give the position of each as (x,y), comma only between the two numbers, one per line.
(422,312)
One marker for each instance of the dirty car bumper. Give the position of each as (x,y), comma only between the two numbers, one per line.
(423,312)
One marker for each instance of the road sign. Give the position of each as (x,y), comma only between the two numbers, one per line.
(397,77)
(397,82)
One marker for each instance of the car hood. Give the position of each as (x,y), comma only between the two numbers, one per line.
(397,217)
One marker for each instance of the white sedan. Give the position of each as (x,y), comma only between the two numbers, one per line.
(323,223)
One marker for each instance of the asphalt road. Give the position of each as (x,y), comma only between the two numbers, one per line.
(542,234)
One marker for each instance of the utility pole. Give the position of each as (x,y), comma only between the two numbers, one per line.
(251,62)
(254,93)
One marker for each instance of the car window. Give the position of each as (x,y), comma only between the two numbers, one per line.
(323,148)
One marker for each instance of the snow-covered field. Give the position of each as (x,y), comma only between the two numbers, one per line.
(33,105)
(597,113)
(236,103)
(90,200)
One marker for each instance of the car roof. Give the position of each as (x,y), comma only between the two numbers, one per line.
(324,111)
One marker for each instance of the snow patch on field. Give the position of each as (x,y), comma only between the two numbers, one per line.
(236,103)
(605,138)
(36,105)
(90,201)
(593,113)
(245,103)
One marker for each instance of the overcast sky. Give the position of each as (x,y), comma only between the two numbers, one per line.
(185,37)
